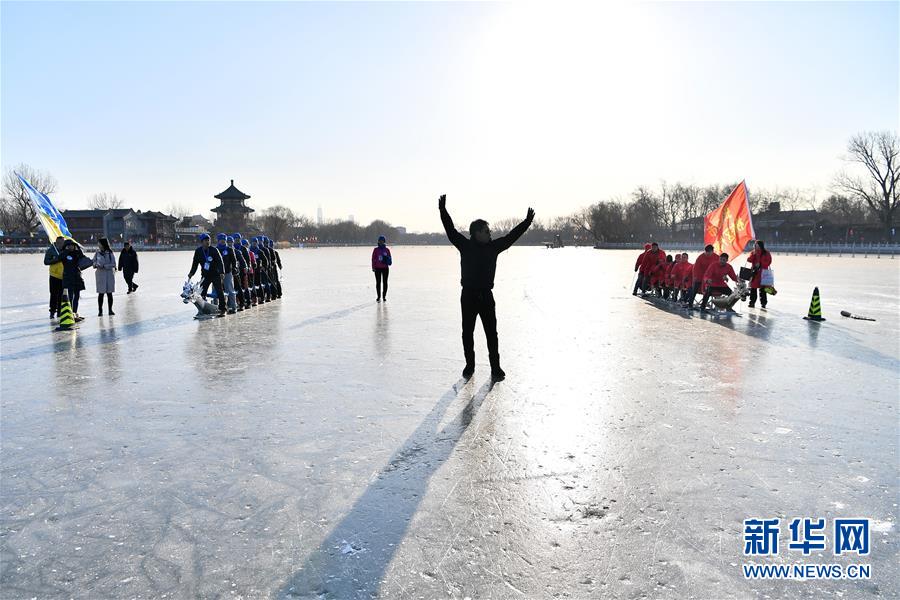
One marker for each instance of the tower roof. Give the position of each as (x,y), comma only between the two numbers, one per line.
(232,193)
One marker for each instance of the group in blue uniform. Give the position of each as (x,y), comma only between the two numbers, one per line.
(242,272)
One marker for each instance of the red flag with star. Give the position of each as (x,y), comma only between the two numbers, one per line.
(729,227)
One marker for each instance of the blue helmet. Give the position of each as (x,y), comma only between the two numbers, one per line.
(237,237)
(228,238)
(244,242)
(203,236)
(221,237)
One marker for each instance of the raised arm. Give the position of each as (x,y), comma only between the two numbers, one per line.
(455,237)
(510,238)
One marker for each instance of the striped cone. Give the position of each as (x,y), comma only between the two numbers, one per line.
(815,308)
(66,319)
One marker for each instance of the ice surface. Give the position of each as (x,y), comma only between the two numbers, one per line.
(325,446)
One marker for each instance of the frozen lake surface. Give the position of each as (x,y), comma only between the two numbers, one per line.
(324,445)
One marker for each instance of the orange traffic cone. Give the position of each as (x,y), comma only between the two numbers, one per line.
(815,308)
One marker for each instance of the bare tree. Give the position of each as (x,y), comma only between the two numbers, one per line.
(842,210)
(667,207)
(278,222)
(879,155)
(177,210)
(602,221)
(105,201)
(16,209)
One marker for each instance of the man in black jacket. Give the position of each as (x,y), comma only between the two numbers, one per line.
(212,270)
(128,264)
(275,266)
(478,262)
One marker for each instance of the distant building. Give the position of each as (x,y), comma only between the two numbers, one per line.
(231,214)
(150,227)
(401,230)
(319,216)
(201,221)
(120,224)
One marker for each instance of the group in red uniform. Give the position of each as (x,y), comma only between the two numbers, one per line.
(677,279)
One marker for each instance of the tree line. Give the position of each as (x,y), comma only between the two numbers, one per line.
(864,193)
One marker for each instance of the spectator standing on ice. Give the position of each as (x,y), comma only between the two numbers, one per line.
(381,263)
(105,275)
(759,259)
(478,263)
(128,264)
(53,259)
(212,269)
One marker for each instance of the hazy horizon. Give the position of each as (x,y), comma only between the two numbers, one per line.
(374,109)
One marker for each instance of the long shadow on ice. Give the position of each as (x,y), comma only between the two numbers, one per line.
(822,337)
(329,316)
(352,560)
(69,340)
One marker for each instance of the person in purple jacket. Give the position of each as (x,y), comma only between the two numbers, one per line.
(381,262)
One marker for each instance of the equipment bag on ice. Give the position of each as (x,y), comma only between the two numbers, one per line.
(767,277)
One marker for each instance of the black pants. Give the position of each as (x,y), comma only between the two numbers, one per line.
(56,289)
(714,291)
(74,296)
(265,285)
(247,283)
(129,276)
(239,289)
(273,279)
(692,293)
(763,298)
(216,280)
(381,281)
(479,303)
(109,300)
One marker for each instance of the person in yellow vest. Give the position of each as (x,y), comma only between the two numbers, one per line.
(53,259)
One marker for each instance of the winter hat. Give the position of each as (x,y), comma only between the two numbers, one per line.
(221,237)
(237,237)
(203,236)
(646,246)
(381,238)
(228,238)
(244,242)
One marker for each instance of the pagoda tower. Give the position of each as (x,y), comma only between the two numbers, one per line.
(231,214)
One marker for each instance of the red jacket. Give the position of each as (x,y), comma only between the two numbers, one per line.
(381,258)
(715,275)
(651,261)
(670,268)
(759,263)
(640,259)
(681,274)
(702,264)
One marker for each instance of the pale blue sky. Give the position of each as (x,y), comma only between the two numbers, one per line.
(374,109)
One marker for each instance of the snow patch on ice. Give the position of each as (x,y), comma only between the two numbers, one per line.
(882,526)
(782,430)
